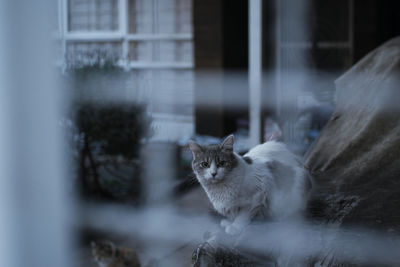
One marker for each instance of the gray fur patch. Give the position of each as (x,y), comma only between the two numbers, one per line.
(248,160)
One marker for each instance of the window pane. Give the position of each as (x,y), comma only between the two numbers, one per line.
(173,16)
(141,16)
(161,51)
(93,15)
(160,16)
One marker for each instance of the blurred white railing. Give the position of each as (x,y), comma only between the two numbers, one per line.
(35,210)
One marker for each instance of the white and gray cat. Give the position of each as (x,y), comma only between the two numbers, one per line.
(269,179)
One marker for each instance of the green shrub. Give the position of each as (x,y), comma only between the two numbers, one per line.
(116,129)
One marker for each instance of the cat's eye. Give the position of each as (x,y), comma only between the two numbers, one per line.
(222,164)
(205,164)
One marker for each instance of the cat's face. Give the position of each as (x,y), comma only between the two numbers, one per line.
(213,163)
(103,252)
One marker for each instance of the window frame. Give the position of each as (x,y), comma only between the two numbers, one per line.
(120,35)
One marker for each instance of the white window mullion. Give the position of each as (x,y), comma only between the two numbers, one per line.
(93,36)
(255,55)
(123,29)
(160,65)
(278,56)
(115,36)
(161,36)
(156,49)
(63,19)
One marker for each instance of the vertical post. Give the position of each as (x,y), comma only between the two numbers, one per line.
(34,209)
(123,29)
(159,170)
(255,61)
(7,243)
(60,19)
(278,62)
(64,28)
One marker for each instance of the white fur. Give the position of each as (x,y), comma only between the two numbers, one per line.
(251,187)
(290,199)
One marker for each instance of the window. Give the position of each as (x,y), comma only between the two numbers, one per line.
(150,38)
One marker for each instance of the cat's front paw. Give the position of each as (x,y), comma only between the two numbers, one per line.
(233,229)
(224,223)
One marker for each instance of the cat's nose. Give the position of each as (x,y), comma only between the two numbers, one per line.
(213,174)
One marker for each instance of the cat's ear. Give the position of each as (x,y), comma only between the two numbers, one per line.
(227,144)
(196,148)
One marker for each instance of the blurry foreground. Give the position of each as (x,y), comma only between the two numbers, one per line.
(95,120)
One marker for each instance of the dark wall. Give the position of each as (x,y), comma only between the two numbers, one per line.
(221,48)
(375,21)
(221,34)
(208,56)
(235,34)
(235,62)
(207,22)
(268,58)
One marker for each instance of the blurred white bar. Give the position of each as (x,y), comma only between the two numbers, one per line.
(255,61)
(278,63)
(160,65)
(365,247)
(123,28)
(64,26)
(34,208)
(8,254)
(160,36)
(292,61)
(117,36)
(159,171)
(97,36)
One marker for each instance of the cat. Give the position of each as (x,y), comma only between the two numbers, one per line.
(268,180)
(106,254)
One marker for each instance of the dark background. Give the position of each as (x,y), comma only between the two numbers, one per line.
(221,46)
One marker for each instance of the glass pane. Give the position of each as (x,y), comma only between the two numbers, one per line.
(93,15)
(141,16)
(161,51)
(173,16)
(156,16)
